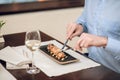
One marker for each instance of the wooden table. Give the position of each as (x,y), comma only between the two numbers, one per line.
(96,73)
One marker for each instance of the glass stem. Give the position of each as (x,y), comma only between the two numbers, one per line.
(0,33)
(32,59)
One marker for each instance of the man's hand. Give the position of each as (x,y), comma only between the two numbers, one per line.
(74,29)
(86,40)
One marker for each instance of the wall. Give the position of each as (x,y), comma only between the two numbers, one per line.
(52,22)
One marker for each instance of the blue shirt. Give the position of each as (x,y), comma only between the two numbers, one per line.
(102,18)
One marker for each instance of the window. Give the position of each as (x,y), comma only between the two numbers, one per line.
(20,6)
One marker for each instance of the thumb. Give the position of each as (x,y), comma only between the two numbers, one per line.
(75,34)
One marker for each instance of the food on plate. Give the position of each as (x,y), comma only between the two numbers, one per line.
(56,52)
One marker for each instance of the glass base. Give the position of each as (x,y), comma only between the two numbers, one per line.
(33,70)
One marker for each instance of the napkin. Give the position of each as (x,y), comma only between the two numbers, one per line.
(23,51)
(12,66)
(9,55)
(5,75)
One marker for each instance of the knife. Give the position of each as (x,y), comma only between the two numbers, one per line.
(64,44)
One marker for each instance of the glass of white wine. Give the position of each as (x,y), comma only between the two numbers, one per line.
(32,41)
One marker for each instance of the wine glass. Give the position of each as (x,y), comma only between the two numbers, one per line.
(32,41)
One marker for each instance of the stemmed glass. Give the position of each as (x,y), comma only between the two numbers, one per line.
(32,41)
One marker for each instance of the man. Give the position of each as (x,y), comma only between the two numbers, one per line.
(99,31)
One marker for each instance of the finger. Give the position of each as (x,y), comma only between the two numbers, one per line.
(73,27)
(77,46)
(86,42)
(69,27)
(73,35)
(82,43)
(69,30)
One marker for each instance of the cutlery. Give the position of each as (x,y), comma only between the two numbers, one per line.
(64,44)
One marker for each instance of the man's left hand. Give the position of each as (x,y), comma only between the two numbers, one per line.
(86,40)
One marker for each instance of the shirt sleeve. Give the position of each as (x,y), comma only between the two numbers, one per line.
(82,19)
(113,46)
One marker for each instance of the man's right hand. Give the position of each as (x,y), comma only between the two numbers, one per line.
(74,29)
